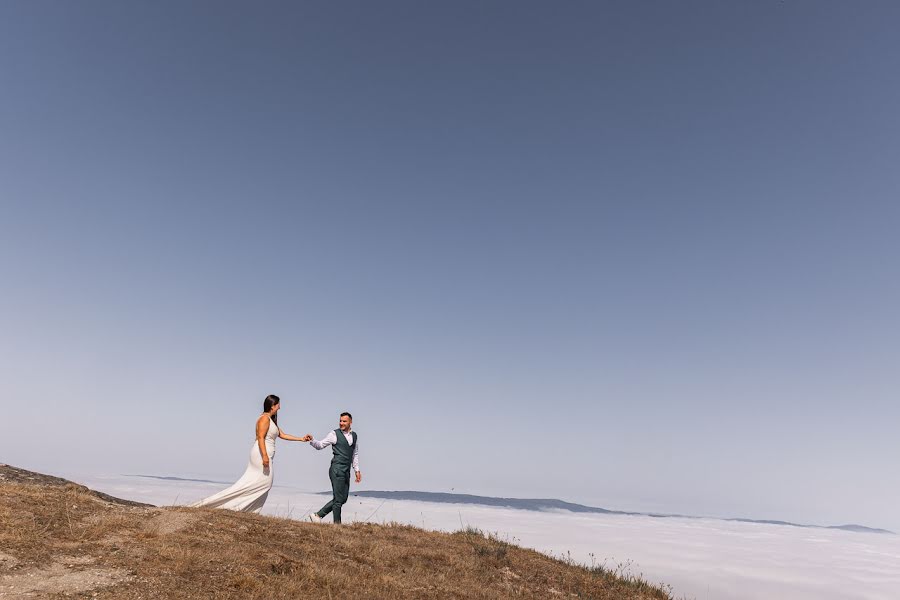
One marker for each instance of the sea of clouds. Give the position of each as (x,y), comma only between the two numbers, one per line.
(705,559)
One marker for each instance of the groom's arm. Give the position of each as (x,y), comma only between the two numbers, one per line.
(329,440)
(356,462)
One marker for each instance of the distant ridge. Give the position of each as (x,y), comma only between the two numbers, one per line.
(547,504)
(542,504)
(860,528)
(171,478)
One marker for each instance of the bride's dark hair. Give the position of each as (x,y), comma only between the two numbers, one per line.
(270,401)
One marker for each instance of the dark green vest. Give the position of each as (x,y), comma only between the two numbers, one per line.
(343,452)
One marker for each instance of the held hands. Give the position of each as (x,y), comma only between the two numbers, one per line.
(306,438)
(358,476)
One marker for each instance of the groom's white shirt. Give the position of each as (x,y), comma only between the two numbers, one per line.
(331,438)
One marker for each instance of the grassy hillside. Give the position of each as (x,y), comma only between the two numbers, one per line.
(61,540)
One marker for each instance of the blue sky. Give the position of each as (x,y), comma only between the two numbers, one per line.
(635,255)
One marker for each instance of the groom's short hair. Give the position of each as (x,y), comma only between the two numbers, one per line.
(348,415)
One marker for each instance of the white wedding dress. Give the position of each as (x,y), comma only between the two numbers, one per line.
(249,493)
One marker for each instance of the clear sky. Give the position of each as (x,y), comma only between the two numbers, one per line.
(642,255)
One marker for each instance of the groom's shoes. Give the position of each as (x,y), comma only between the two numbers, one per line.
(315,518)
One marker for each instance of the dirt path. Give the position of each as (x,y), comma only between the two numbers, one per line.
(68,574)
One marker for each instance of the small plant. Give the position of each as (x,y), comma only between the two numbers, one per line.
(486,545)
(622,572)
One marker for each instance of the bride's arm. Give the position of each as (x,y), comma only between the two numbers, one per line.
(292,438)
(262,426)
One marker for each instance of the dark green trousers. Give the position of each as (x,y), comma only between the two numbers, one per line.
(340,490)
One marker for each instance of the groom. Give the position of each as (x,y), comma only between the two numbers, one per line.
(346,454)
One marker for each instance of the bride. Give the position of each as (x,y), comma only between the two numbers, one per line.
(249,493)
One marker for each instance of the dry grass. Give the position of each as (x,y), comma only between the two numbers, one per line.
(80,545)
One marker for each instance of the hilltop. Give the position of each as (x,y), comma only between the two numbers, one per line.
(58,538)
